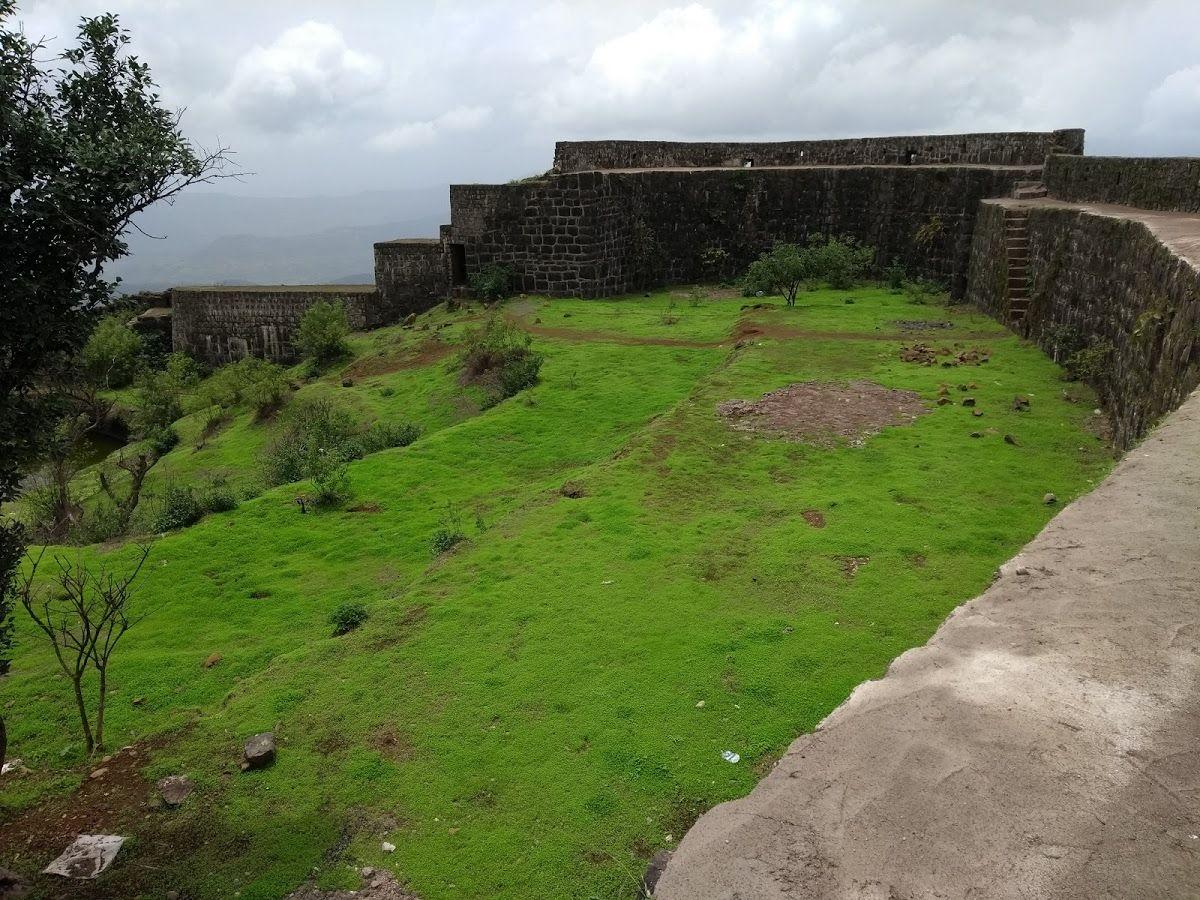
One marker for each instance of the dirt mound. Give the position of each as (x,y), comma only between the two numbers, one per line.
(824,414)
(925,355)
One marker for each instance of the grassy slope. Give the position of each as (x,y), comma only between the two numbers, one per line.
(520,717)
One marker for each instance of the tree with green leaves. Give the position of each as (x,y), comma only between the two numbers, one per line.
(85,145)
(783,270)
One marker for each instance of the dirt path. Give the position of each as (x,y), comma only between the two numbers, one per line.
(1042,744)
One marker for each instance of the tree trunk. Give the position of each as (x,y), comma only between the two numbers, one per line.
(3,741)
(88,741)
(100,710)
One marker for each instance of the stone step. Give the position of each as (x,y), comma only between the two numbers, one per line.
(1029,193)
(1018,284)
(1021,303)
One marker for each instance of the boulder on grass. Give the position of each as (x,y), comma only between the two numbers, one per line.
(175,789)
(259,752)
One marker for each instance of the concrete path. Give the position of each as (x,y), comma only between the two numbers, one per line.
(1045,743)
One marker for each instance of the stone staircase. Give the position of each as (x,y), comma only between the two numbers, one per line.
(1016,242)
(1028,190)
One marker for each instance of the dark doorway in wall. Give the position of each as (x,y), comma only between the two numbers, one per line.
(747,164)
(458,264)
(909,156)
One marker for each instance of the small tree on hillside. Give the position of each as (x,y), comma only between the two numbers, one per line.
(323,331)
(84,615)
(783,270)
(112,353)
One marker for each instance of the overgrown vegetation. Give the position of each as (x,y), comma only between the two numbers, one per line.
(113,353)
(498,357)
(323,330)
(786,269)
(348,617)
(492,283)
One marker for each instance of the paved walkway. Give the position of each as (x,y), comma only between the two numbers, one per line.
(1045,743)
(1180,232)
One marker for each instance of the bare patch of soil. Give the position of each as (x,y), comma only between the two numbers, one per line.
(814,518)
(430,351)
(368,507)
(824,414)
(393,743)
(851,564)
(376,885)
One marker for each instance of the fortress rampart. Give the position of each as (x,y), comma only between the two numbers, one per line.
(967,210)
(1010,148)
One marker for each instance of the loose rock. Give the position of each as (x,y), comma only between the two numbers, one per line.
(175,789)
(12,886)
(968,401)
(87,857)
(212,660)
(1049,499)
(259,752)
(1020,404)
(1009,439)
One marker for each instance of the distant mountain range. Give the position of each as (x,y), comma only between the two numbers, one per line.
(213,238)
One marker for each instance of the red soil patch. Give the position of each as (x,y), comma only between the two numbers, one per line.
(814,518)
(824,414)
(430,351)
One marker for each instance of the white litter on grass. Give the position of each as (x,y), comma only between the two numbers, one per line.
(87,857)
(607,582)
(389,848)
(11,766)
(730,757)
(700,705)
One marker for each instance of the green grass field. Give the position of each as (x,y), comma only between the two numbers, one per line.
(522,716)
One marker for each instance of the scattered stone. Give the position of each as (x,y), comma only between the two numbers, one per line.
(347,382)
(13,767)
(175,789)
(968,401)
(654,871)
(851,564)
(410,320)
(1022,571)
(1020,404)
(1009,439)
(920,324)
(942,401)
(976,434)
(87,857)
(376,885)
(977,412)
(1049,499)
(12,886)
(212,660)
(99,773)
(259,751)
(388,847)
(138,701)
(814,517)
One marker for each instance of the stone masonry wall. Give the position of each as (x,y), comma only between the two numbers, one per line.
(411,275)
(597,234)
(1106,280)
(1167,183)
(1004,148)
(223,324)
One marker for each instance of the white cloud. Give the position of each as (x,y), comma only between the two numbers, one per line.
(306,77)
(410,135)
(1174,108)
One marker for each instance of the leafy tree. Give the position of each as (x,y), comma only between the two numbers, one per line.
(323,331)
(85,145)
(783,270)
(492,283)
(112,352)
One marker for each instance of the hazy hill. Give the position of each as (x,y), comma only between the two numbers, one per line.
(224,238)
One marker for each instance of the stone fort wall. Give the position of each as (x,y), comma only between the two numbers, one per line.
(1013,148)
(1166,183)
(595,234)
(220,324)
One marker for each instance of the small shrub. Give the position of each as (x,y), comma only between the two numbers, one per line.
(787,268)
(1089,363)
(669,316)
(218,497)
(386,435)
(329,477)
(713,260)
(444,540)
(492,283)
(261,384)
(323,331)
(162,439)
(893,276)
(177,508)
(498,358)
(695,296)
(101,523)
(161,392)
(306,429)
(347,617)
(113,352)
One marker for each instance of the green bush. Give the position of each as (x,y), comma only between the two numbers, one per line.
(261,384)
(386,435)
(893,276)
(445,539)
(498,358)
(218,497)
(113,352)
(160,393)
(1089,363)
(178,507)
(323,331)
(787,268)
(347,617)
(328,476)
(162,439)
(492,283)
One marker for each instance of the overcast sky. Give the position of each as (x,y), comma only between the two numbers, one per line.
(339,97)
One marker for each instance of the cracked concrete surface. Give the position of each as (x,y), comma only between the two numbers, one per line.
(1045,743)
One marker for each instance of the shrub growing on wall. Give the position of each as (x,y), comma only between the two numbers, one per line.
(323,331)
